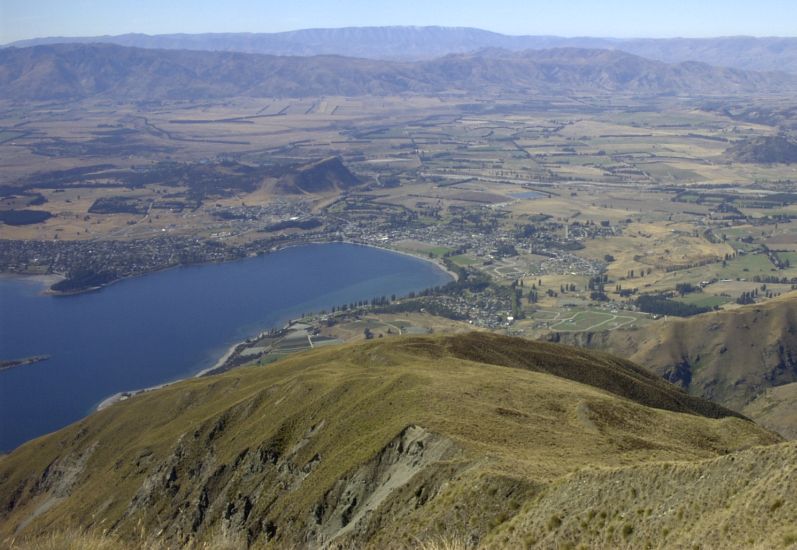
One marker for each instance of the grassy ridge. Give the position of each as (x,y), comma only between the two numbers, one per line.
(731,357)
(745,500)
(436,436)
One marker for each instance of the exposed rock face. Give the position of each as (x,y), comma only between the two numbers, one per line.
(204,493)
(346,507)
(379,444)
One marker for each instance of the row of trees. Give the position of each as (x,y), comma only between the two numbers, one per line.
(659,304)
(373,302)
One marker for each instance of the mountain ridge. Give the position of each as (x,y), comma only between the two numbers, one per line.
(77,71)
(735,358)
(402,439)
(415,43)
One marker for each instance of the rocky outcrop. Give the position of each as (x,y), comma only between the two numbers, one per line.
(346,509)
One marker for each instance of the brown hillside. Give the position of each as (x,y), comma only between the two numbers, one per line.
(730,357)
(716,503)
(764,150)
(381,444)
(776,409)
(324,176)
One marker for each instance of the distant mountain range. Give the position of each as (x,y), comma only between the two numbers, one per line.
(416,43)
(75,71)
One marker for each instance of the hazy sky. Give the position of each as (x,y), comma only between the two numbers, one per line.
(620,18)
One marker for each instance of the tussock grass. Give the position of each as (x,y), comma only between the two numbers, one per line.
(518,416)
(443,543)
(731,355)
(744,499)
(77,539)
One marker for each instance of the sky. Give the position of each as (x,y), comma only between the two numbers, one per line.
(20,19)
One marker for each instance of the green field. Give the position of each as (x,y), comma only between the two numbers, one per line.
(704,300)
(740,268)
(747,266)
(791,257)
(544,315)
(463,260)
(436,251)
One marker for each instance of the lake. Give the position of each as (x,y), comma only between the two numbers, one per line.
(530,195)
(170,325)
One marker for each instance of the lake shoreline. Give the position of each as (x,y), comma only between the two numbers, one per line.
(174,325)
(48,280)
(7,364)
(209,371)
(218,366)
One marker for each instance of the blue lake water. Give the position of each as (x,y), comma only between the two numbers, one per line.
(531,195)
(169,325)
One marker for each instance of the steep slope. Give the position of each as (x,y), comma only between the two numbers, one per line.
(716,503)
(74,71)
(392,42)
(730,357)
(765,150)
(323,176)
(78,71)
(382,443)
(776,409)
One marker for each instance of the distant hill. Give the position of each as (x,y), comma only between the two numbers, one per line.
(776,409)
(399,441)
(731,357)
(76,71)
(779,114)
(764,150)
(324,176)
(414,43)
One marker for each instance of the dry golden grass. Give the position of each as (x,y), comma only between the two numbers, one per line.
(744,500)
(76,539)
(519,414)
(776,409)
(443,543)
(732,355)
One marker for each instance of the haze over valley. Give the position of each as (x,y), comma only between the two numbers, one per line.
(397,286)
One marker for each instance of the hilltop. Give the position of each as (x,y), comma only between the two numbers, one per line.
(328,175)
(733,357)
(77,71)
(765,149)
(387,443)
